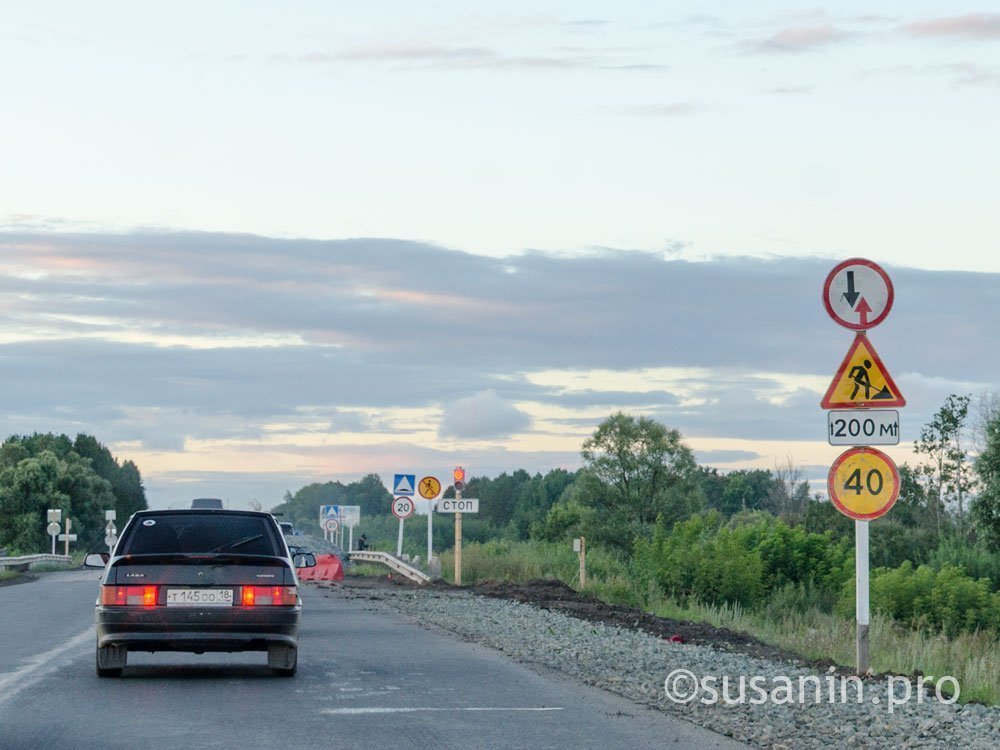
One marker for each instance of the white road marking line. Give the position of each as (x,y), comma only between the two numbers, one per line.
(360,711)
(12,683)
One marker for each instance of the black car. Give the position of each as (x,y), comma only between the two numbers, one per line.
(196,581)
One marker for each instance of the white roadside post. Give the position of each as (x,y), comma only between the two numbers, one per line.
(863,482)
(580,547)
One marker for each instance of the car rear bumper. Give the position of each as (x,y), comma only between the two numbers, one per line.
(197,629)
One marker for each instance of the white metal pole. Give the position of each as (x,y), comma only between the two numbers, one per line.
(350,538)
(53,544)
(862,598)
(399,540)
(430,531)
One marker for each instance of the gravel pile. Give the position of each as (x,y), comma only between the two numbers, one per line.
(635,665)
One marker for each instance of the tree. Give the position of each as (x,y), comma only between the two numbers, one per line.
(788,496)
(986,508)
(949,470)
(79,477)
(645,472)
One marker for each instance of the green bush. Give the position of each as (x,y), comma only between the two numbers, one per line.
(945,600)
(975,559)
(699,560)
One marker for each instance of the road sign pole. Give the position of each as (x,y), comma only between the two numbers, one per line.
(350,538)
(69,525)
(862,600)
(53,544)
(458,543)
(583,562)
(430,532)
(399,540)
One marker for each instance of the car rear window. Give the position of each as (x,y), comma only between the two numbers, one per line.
(201,534)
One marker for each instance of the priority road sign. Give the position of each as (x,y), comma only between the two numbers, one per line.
(403,507)
(429,488)
(403,484)
(858,294)
(862,380)
(863,483)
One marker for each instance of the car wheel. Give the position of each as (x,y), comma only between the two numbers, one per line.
(111,660)
(283,660)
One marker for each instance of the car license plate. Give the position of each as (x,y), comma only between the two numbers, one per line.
(199,597)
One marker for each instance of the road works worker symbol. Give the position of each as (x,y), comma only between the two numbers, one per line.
(863,483)
(429,488)
(862,380)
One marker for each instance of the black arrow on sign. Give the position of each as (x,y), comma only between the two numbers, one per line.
(850,295)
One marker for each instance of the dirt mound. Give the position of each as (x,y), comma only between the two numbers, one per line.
(556,596)
(540,589)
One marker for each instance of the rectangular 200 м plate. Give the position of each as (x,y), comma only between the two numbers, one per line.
(199,597)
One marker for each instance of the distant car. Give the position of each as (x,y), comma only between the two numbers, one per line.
(287,528)
(213,503)
(199,580)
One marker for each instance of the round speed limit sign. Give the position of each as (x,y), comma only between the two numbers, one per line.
(402,507)
(863,483)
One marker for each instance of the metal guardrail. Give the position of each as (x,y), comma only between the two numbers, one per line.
(26,561)
(394,563)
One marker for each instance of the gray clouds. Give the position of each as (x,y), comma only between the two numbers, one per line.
(158,339)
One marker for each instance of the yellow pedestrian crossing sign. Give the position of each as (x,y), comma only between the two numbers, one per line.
(862,380)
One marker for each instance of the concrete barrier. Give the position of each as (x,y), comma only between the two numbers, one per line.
(24,562)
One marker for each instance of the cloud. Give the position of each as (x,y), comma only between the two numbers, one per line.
(483,415)
(972,26)
(328,357)
(799,39)
(672,109)
(711,458)
(396,55)
(963,74)
(790,90)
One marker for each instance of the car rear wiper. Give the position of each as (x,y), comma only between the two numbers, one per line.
(234,545)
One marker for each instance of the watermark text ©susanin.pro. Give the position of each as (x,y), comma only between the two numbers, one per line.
(683,686)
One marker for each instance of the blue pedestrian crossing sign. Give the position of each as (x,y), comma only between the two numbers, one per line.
(404,484)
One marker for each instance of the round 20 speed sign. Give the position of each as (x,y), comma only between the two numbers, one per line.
(402,507)
(863,483)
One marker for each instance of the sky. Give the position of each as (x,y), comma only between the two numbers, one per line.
(255,245)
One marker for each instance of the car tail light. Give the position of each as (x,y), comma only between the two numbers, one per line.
(264,596)
(129,596)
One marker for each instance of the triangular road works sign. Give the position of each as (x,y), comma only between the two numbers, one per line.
(862,380)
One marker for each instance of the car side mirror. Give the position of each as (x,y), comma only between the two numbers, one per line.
(96,560)
(304,560)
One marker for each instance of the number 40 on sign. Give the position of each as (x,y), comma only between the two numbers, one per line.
(863,483)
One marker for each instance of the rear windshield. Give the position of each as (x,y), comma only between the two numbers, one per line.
(246,535)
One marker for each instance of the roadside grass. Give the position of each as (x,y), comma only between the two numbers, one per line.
(8,575)
(367,570)
(807,631)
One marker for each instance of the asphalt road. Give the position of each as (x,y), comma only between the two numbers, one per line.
(366,680)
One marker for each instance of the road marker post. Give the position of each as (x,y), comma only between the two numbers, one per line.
(580,547)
